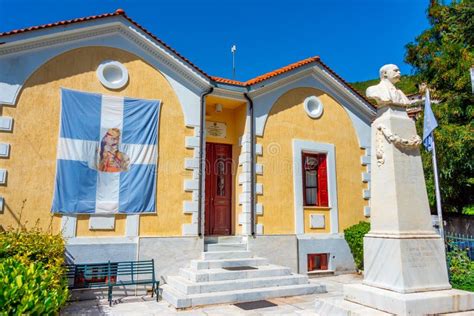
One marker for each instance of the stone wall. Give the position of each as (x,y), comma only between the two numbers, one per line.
(278,249)
(340,258)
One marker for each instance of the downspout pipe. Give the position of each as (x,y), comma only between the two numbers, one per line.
(202,162)
(252,165)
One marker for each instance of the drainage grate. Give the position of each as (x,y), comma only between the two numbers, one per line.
(241,268)
(255,305)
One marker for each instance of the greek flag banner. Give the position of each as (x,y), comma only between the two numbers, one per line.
(429,123)
(107,154)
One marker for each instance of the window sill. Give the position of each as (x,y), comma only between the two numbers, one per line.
(319,273)
(322,208)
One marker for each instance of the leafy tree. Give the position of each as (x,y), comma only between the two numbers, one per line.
(442,56)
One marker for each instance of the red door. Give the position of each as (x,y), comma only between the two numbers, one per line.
(218,189)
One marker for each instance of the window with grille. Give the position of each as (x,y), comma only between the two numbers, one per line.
(315,183)
(317,261)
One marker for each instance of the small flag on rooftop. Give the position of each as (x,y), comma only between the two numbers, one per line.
(233,49)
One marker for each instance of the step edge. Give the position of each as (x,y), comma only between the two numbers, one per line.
(250,284)
(268,267)
(243,291)
(227,260)
(277,277)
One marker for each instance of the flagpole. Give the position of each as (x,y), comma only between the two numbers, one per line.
(233,49)
(438,206)
(438,195)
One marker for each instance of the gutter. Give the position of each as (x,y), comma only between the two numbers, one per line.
(202,161)
(252,165)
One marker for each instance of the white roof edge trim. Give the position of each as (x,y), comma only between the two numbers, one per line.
(337,81)
(313,69)
(13,40)
(43,38)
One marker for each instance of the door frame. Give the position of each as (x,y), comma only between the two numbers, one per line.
(231,201)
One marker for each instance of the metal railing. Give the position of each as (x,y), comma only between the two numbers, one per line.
(463,242)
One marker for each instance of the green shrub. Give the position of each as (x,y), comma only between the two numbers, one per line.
(32,246)
(461,270)
(354,236)
(29,289)
(32,277)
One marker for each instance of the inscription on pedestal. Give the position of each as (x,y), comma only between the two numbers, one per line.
(420,257)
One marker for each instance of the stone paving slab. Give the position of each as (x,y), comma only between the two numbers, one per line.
(145,305)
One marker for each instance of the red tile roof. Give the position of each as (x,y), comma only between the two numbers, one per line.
(288,68)
(282,70)
(120,12)
(62,23)
(228,81)
(268,75)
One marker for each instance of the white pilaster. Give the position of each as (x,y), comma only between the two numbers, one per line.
(245,180)
(4,150)
(365,161)
(191,207)
(68,225)
(6,124)
(3,176)
(132,226)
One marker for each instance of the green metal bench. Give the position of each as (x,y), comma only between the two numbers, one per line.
(112,274)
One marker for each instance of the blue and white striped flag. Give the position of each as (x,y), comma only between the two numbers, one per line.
(429,123)
(107,154)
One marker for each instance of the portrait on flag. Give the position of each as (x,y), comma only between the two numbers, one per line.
(107,154)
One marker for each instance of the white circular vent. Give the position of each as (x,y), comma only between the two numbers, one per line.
(112,74)
(313,106)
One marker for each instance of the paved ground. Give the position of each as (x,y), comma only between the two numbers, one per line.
(296,305)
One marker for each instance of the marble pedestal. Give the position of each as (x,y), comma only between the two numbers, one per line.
(419,303)
(407,275)
(405,265)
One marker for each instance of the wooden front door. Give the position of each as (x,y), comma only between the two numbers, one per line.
(218,189)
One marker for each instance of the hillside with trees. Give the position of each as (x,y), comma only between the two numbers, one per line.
(407,84)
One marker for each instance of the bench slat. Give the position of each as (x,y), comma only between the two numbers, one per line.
(111,274)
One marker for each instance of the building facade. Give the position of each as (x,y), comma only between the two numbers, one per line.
(281,161)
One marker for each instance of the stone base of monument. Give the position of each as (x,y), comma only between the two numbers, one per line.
(334,306)
(420,303)
(405,275)
(359,297)
(405,263)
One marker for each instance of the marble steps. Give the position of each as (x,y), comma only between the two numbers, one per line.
(187,287)
(229,273)
(220,274)
(225,247)
(224,240)
(212,255)
(181,300)
(227,263)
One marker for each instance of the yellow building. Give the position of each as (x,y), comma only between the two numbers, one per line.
(280,163)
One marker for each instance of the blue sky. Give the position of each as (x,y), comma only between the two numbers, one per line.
(353,37)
